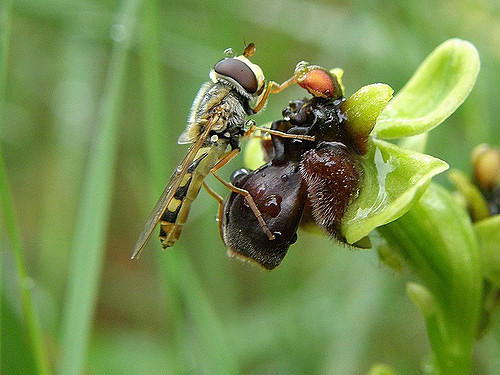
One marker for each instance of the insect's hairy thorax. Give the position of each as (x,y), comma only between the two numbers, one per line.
(221,106)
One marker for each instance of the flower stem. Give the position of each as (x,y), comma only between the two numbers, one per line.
(436,240)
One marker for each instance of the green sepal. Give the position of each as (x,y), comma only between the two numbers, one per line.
(253,154)
(441,83)
(393,179)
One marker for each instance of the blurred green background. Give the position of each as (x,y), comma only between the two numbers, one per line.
(96,94)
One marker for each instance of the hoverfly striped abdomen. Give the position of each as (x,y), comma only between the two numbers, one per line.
(169,219)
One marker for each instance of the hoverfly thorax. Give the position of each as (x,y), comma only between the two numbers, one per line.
(235,83)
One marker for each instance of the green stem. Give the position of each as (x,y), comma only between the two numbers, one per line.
(436,240)
(29,313)
(93,215)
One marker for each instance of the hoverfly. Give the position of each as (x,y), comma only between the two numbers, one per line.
(217,121)
(312,178)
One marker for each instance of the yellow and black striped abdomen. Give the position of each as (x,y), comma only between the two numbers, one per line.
(175,216)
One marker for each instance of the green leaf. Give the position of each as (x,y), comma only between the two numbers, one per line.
(488,234)
(18,356)
(393,179)
(30,315)
(433,93)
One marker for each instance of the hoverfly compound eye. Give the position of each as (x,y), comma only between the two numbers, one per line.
(238,71)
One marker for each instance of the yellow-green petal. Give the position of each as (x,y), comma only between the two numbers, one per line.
(433,93)
(393,179)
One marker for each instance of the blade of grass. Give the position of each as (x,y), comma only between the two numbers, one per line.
(5,16)
(178,276)
(73,103)
(155,120)
(93,215)
(29,314)
(212,333)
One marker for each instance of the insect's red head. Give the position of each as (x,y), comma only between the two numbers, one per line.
(318,81)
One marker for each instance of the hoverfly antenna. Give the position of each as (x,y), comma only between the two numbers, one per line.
(249,50)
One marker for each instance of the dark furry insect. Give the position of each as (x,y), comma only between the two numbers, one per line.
(279,192)
(322,176)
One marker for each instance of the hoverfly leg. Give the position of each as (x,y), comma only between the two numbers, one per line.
(278,133)
(287,135)
(272,88)
(225,159)
(251,203)
(219,199)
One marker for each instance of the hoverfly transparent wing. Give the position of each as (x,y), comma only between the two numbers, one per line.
(190,134)
(170,189)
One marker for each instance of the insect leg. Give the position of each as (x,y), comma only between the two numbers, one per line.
(219,199)
(251,203)
(272,88)
(253,128)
